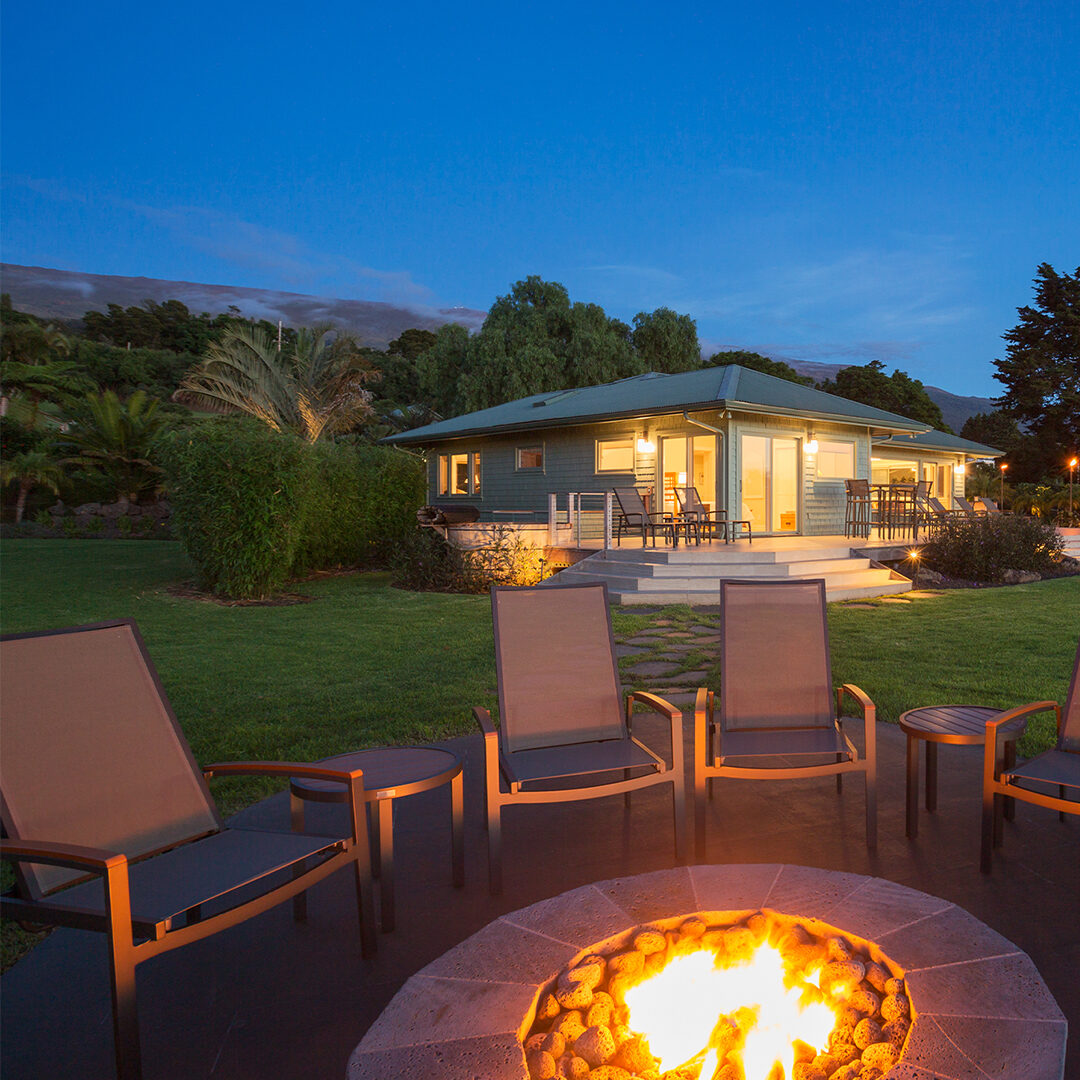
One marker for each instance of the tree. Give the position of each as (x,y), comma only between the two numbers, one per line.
(896,393)
(757,362)
(666,341)
(34,468)
(315,388)
(993,429)
(116,437)
(411,343)
(440,370)
(1041,375)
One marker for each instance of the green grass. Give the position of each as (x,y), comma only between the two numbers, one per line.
(366,665)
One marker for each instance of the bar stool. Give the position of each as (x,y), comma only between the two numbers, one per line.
(858,510)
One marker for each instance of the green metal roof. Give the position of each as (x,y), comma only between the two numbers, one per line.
(940,440)
(730,387)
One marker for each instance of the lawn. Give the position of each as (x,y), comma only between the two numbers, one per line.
(364,664)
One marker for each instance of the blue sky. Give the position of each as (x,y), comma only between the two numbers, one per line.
(828,181)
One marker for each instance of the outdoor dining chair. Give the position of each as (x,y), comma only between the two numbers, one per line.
(776,718)
(708,522)
(634,517)
(562,717)
(110,824)
(1057,768)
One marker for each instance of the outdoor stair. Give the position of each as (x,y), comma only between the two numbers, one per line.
(692,575)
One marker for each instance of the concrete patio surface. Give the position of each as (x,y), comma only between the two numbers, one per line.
(272,999)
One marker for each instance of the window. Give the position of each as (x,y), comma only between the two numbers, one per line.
(836,460)
(615,455)
(530,457)
(459,474)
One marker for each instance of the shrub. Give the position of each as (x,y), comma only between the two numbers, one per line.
(425,562)
(237,492)
(254,507)
(982,549)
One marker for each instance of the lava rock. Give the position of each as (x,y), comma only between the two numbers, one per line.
(877,977)
(867,1032)
(596,1045)
(575,996)
(541,1065)
(865,1002)
(894,1007)
(627,963)
(650,941)
(882,1055)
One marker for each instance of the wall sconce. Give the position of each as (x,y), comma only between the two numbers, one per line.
(646,446)
(810,446)
(961,468)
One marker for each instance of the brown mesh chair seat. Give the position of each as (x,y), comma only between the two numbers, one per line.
(578,759)
(1058,767)
(109,822)
(563,721)
(776,698)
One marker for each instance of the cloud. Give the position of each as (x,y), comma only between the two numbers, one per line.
(645,274)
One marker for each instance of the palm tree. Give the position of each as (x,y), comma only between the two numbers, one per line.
(116,436)
(313,389)
(31,469)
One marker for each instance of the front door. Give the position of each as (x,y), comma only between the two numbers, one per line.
(688,461)
(770,483)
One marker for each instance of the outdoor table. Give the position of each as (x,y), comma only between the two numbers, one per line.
(957,725)
(389,773)
(895,506)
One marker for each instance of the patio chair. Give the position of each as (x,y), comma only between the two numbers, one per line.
(561,713)
(633,517)
(776,718)
(967,508)
(1029,781)
(858,509)
(691,508)
(991,508)
(932,512)
(110,824)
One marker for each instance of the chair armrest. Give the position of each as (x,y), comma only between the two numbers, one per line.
(674,714)
(73,856)
(704,705)
(281,768)
(869,712)
(993,731)
(483,718)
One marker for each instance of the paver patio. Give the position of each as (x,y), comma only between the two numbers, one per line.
(273,999)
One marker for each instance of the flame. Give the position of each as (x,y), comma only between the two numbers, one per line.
(678,1010)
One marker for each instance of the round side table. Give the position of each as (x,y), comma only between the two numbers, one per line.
(390,773)
(957,725)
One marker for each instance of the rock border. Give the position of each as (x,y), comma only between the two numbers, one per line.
(981,1007)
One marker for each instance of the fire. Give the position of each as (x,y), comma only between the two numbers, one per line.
(686,1010)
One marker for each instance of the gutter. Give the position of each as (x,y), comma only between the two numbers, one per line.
(701,423)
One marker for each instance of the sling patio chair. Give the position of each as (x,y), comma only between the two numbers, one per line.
(776,698)
(1056,768)
(110,823)
(633,517)
(708,522)
(967,508)
(561,713)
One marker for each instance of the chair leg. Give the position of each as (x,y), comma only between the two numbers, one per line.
(122,975)
(871,806)
(365,899)
(296,815)
(1061,795)
(987,857)
(678,799)
(626,795)
(494,831)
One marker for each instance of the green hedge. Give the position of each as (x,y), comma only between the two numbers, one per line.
(982,549)
(254,507)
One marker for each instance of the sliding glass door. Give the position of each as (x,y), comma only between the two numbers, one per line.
(770,483)
(688,461)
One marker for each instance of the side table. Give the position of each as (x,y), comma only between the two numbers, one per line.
(957,725)
(390,773)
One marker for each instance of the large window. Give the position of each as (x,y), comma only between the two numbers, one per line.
(615,455)
(459,474)
(836,460)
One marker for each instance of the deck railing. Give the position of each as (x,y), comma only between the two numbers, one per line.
(584,515)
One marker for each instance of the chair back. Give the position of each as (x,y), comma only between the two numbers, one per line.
(936,505)
(989,505)
(92,752)
(1070,720)
(774,655)
(630,502)
(964,504)
(858,489)
(689,500)
(555,661)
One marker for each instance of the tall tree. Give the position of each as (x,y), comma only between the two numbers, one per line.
(315,388)
(34,468)
(757,362)
(666,341)
(992,429)
(896,393)
(1041,375)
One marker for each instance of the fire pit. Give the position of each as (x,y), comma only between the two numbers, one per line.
(914,987)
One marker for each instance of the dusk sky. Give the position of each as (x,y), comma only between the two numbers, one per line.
(825,181)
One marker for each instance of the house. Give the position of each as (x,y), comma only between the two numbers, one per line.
(770,451)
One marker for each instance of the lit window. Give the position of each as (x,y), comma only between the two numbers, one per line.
(530,457)
(459,474)
(615,455)
(836,460)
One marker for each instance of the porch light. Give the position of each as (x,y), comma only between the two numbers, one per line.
(961,468)
(646,446)
(810,446)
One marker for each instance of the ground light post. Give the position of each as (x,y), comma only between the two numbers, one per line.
(1004,466)
(1072,473)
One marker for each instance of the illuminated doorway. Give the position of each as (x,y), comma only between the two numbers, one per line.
(770,483)
(688,461)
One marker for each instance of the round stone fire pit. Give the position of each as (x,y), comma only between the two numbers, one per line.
(979,1007)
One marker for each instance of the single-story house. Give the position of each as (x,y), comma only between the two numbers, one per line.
(767,450)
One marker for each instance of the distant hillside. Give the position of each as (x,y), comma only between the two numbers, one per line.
(67,296)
